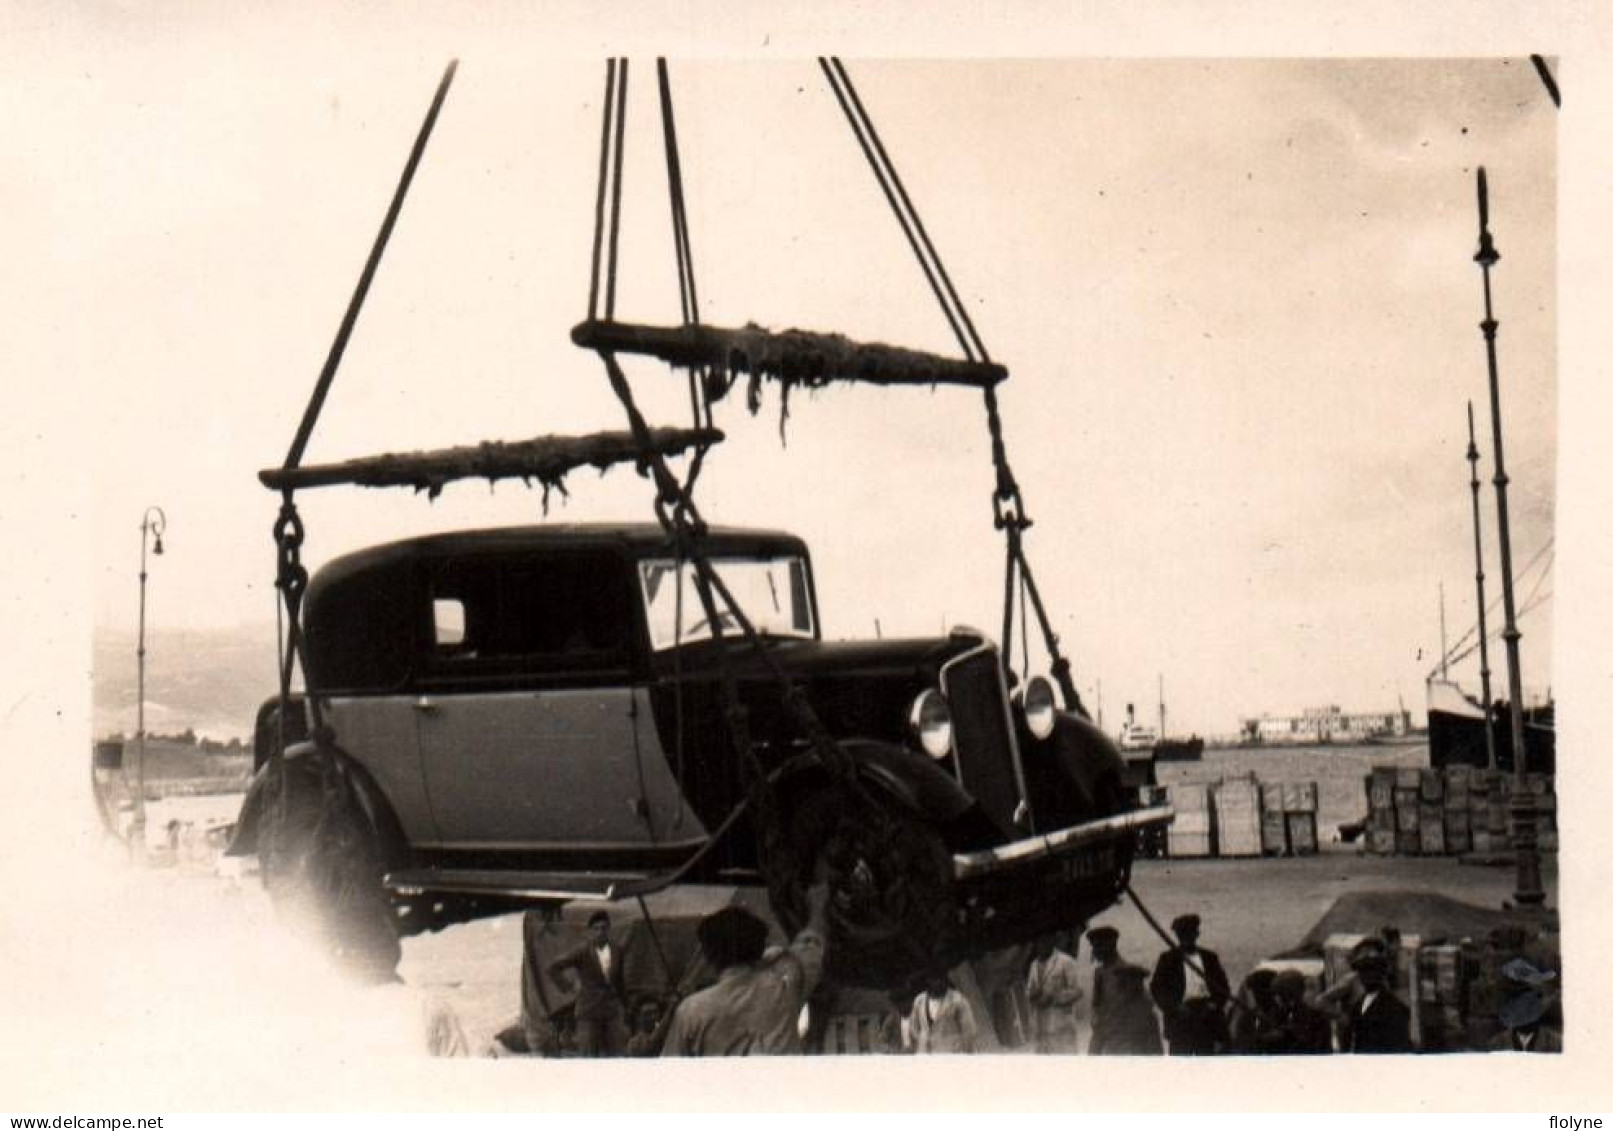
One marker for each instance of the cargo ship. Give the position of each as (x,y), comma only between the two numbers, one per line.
(1456,723)
(1136,738)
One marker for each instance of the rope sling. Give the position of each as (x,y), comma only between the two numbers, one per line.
(714,358)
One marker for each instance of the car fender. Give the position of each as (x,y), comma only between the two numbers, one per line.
(1089,758)
(301,765)
(910,780)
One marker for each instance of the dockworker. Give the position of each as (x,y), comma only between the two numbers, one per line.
(546,1011)
(1379,1022)
(1254,1018)
(1053,988)
(941,1020)
(1528,1009)
(600,1008)
(1192,992)
(1300,1029)
(1123,1020)
(754,1007)
(649,1022)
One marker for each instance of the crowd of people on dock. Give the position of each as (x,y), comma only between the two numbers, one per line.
(754,1000)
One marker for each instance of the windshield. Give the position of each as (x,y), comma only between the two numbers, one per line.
(772,592)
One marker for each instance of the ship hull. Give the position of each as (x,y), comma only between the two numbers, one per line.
(1456,733)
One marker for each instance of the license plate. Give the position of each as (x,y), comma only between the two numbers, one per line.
(1087,865)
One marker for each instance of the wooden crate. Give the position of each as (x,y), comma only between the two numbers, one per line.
(1407,842)
(1183,845)
(1274,833)
(1406,817)
(1458,832)
(1380,792)
(1430,786)
(1302,834)
(1189,798)
(1380,842)
(1237,818)
(1408,777)
(1497,819)
(1432,838)
(1442,969)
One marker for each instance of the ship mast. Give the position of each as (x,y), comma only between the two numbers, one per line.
(1530,892)
(1444,648)
(1162,706)
(1486,258)
(1478,577)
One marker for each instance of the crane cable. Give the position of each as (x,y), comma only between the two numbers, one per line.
(1008,506)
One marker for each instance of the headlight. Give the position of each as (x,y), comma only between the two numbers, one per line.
(931,720)
(1041,705)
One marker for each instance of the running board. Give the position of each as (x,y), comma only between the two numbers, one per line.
(594,887)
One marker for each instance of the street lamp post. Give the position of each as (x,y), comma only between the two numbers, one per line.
(152,525)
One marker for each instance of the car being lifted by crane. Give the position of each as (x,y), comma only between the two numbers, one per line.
(500,718)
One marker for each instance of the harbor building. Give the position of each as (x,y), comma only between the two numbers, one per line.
(1326,724)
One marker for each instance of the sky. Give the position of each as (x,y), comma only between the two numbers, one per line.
(1236,297)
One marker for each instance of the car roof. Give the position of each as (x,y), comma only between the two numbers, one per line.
(636,538)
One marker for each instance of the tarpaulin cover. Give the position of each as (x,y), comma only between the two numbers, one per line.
(1425,914)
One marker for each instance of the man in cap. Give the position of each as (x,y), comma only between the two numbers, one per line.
(1528,1009)
(1191,989)
(1300,1028)
(597,968)
(1053,988)
(754,1008)
(1379,1022)
(1123,1021)
(941,1020)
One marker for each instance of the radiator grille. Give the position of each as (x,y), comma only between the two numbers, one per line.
(981,734)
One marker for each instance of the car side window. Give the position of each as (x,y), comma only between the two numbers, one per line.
(507,616)
(448,623)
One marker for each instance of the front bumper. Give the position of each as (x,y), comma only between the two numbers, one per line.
(1064,842)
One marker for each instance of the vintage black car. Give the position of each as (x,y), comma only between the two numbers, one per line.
(537,714)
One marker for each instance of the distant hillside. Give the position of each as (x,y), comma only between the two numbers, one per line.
(207,681)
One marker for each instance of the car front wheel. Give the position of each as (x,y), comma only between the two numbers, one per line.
(891,909)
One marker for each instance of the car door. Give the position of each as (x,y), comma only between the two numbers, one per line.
(532,735)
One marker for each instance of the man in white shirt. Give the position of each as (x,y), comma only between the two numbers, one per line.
(601,1029)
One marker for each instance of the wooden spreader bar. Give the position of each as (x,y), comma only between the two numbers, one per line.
(544,458)
(792,356)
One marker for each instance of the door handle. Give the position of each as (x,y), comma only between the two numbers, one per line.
(426,705)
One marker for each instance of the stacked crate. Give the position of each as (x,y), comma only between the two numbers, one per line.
(1299,810)
(1452,812)
(1408,786)
(1381,811)
(1458,811)
(1273,820)
(1444,977)
(1545,803)
(1237,818)
(1192,833)
(1430,813)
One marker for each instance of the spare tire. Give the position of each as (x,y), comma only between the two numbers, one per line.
(322,865)
(891,911)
